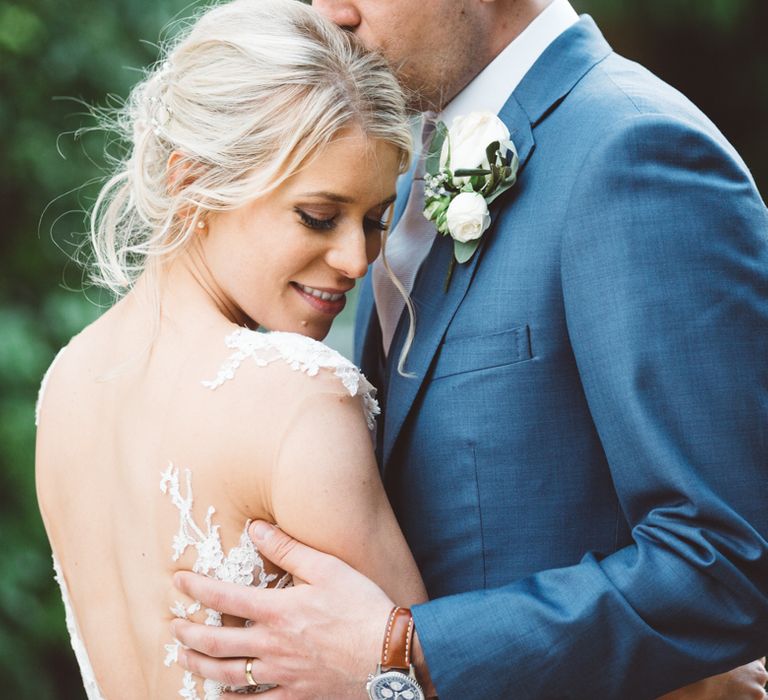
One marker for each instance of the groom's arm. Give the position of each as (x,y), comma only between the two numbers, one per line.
(665,281)
(322,608)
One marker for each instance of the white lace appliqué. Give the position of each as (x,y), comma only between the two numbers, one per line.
(242,565)
(302,354)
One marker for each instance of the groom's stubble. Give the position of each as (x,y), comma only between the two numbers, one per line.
(436,47)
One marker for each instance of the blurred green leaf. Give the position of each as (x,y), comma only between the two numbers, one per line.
(19,28)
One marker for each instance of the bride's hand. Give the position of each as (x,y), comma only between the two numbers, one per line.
(743,683)
(318,640)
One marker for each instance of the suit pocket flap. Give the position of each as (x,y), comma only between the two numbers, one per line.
(458,355)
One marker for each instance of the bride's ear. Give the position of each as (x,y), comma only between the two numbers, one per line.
(179,173)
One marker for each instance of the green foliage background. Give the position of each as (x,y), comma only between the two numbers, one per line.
(713,50)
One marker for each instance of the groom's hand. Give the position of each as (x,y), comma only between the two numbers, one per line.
(319,639)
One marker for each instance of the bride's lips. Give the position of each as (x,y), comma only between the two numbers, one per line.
(312,295)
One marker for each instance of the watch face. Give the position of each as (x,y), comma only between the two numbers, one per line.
(394,685)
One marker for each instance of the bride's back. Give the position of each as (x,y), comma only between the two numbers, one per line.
(113,420)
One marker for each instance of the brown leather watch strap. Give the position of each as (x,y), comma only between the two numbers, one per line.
(396,651)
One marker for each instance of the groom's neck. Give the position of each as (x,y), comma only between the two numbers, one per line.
(504,21)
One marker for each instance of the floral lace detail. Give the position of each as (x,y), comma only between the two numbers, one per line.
(242,565)
(302,354)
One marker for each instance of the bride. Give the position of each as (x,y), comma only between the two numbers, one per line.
(265,151)
(263,155)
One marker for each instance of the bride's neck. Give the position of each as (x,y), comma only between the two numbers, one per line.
(188,294)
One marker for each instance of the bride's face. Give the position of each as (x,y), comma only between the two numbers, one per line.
(287,260)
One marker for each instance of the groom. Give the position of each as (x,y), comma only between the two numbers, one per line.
(579,460)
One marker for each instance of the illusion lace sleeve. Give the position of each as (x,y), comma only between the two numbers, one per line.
(302,354)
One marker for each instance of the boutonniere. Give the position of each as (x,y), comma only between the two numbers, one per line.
(467,167)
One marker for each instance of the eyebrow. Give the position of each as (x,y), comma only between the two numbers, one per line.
(341,199)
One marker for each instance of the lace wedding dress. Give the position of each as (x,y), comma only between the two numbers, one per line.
(242,564)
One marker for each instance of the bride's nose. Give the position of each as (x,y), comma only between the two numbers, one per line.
(351,253)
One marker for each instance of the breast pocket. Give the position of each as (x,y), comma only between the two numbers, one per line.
(477,352)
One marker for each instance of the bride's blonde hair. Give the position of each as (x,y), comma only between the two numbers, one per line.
(246,95)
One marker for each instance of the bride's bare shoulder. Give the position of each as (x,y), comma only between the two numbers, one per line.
(284,389)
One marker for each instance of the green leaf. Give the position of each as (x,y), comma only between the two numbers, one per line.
(491,151)
(491,182)
(432,164)
(514,164)
(503,187)
(442,222)
(464,251)
(436,207)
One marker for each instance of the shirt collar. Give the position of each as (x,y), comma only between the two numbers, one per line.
(490,89)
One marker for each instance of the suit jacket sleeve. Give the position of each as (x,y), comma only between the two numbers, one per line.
(665,283)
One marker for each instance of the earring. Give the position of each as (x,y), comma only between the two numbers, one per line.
(200,225)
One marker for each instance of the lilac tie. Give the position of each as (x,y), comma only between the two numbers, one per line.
(407,246)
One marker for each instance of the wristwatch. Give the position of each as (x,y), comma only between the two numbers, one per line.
(395,678)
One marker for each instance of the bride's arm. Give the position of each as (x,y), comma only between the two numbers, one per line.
(326,492)
(323,489)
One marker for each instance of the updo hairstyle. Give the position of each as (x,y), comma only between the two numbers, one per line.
(246,95)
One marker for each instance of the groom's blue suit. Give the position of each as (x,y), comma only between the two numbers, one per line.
(580,464)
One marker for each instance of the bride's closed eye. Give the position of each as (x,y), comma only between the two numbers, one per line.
(328,223)
(381,220)
(319,224)
(375,224)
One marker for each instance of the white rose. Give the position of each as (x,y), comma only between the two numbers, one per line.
(467,216)
(469,136)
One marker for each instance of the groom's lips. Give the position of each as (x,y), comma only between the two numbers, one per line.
(331,307)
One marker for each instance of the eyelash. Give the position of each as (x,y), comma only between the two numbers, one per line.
(329,224)
(317,224)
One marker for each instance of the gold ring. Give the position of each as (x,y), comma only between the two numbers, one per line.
(248,669)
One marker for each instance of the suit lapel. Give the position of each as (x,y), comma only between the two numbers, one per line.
(434,307)
(564,63)
(561,66)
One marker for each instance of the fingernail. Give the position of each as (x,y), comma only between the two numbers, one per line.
(261,531)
